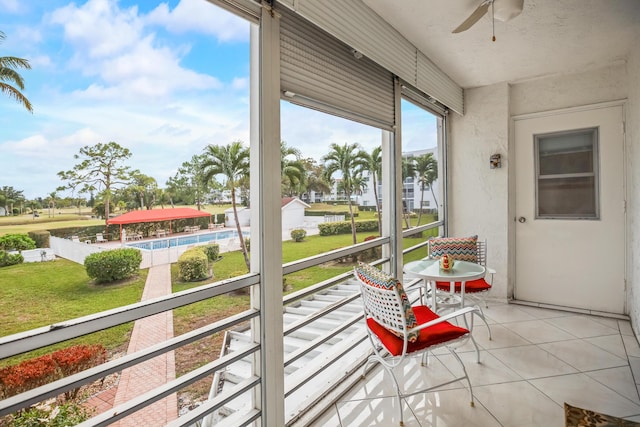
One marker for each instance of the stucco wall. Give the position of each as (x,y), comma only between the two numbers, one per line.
(633,187)
(478,202)
(553,93)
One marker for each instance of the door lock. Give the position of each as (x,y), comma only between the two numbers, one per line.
(522,220)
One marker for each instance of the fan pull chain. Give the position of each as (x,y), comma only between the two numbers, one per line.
(493,22)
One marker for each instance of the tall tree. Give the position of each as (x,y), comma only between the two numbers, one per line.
(292,169)
(188,185)
(316,180)
(101,169)
(10,196)
(232,162)
(52,203)
(346,160)
(426,168)
(10,78)
(142,190)
(374,167)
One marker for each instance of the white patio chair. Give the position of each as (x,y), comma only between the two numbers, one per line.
(397,330)
(100,238)
(465,249)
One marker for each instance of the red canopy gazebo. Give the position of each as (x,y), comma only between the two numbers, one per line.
(157,215)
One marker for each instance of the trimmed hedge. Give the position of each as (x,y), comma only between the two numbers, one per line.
(193,265)
(41,237)
(42,370)
(116,264)
(344,227)
(298,235)
(212,251)
(16,242)
(7,259)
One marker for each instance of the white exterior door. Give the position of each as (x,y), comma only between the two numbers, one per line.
(570,211)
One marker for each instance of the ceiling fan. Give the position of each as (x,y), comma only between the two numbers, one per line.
(502,10)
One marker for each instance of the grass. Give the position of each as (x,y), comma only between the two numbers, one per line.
(61,290)
(25,223)
(38,294)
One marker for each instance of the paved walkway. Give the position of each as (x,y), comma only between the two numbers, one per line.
(152,373)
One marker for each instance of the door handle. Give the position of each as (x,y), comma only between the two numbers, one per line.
(522,220)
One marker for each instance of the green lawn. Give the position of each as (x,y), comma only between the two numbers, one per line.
(38,294)
(61,290)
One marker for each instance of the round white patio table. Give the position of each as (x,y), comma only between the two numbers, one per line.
(429,271)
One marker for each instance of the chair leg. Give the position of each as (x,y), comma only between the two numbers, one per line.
(480,314)
(376,358)
(464,370)
(473,340)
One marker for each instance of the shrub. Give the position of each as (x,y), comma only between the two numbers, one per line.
(50,414)
(247,243)
(370,254)
(75,359)
(7,259)
(16,242)
(112,265)
(42,370)
(298,235)
(41,238)
(27,375)
(193,265)
(344,227)
(212,251)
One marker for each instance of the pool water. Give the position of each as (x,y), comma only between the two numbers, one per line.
(170,242)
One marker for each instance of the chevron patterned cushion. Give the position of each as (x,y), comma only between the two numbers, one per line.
(459,248)
(373,276)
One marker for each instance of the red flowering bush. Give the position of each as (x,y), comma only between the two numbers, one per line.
(27,375)
(50,367)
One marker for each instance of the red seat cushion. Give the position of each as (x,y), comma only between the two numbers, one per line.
(478,285)
(432,335)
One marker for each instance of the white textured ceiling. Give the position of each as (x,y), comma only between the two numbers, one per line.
(550,37)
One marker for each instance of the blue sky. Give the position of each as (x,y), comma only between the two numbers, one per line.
(163,79)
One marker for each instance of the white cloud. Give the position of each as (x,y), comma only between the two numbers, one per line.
(10,6)
(99,27)
(240,83)
(111,44)
(40,61)
(201,16)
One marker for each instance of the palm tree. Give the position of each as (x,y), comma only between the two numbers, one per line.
(408,171)
(231,161)
(348,161)
(315,178)
(292,169)
(374,167)
(8,73)
(52,203)
(426,168)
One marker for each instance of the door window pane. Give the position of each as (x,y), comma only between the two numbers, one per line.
(566,175)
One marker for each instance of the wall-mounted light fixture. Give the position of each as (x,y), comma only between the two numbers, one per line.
(495,161)
(356,53)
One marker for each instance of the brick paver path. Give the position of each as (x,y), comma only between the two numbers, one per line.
(154,372)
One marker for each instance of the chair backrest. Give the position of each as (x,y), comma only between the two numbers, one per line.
(75,239)
(460,248)
(482,253)
(385,301)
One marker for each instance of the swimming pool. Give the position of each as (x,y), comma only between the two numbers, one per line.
(193,239)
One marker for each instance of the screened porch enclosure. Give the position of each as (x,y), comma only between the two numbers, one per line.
(287,358)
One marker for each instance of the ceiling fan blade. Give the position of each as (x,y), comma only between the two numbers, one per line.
(474,17)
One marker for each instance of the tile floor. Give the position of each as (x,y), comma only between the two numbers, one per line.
(537,360)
